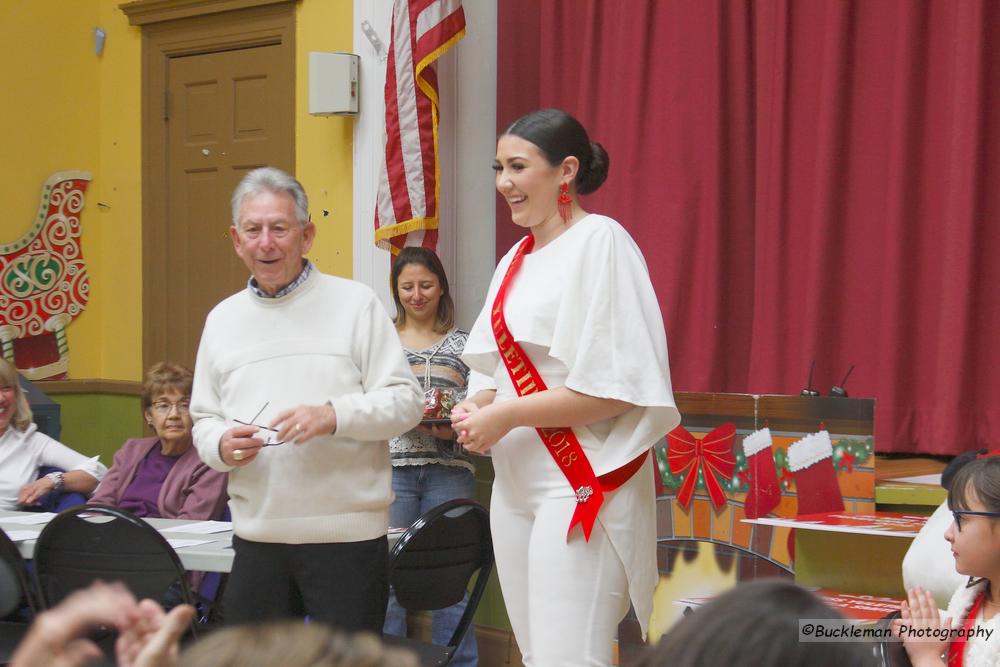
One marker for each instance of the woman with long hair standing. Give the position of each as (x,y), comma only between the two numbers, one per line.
(428,467)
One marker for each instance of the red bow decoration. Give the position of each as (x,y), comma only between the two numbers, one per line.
(712,454)
(846,461)
(786,478)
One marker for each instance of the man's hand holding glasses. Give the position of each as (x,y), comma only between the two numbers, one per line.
(305,422)
(241,444)
(238,447)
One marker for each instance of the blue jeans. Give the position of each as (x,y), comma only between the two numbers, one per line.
(419,489)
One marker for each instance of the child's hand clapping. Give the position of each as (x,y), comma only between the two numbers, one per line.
(919,612)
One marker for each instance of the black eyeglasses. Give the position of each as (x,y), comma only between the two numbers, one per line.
(958,514)
(269,442)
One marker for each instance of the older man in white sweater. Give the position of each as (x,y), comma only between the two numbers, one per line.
(300,380)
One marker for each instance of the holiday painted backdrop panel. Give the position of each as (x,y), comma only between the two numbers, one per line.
(818,453)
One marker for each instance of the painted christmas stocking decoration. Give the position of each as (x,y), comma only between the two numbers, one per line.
(811,462)
(764,492)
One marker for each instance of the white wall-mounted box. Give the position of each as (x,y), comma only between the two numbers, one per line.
(333,83)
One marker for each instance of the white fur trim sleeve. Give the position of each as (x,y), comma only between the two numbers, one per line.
(809,450)
(961,601)
(757,441)
(980,651)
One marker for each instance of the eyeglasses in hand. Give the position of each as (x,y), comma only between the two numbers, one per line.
(273,431)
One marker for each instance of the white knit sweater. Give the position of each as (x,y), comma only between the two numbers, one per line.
(328,341)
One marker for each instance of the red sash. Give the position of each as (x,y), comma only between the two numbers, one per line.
(956,649)
(561,442)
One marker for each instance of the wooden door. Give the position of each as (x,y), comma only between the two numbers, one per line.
(225,111)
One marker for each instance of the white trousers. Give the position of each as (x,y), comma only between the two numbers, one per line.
(565,598)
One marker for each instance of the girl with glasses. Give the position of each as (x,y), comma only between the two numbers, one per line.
(972,615)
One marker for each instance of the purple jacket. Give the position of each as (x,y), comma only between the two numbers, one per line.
(191,490)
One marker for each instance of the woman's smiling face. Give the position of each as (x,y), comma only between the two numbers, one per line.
(527,181)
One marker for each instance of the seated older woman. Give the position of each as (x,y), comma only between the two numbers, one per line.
(23,450)
(162,476)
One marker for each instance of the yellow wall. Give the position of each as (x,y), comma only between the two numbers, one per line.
(71,109)
(113,348)
(324,145)
(51,82)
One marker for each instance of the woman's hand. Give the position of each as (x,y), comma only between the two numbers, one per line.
(151,637)
(32,492)
(479,428)
(148,637)
(919,612)
(57,637)
(462,410)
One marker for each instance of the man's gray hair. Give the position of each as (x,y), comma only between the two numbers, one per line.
(271,179)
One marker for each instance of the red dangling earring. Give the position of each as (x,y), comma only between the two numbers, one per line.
(565,203)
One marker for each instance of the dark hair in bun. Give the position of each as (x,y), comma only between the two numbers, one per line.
(559,135)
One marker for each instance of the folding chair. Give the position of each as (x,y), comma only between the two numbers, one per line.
(889,652)
(15,592)
(84,544)
(431,565)
(11,555)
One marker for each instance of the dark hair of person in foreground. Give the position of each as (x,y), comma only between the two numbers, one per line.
(756,623)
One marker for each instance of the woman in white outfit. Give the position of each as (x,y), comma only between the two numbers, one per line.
(23,449)
(569,389)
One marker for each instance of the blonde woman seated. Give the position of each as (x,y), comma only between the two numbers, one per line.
(162,476)
(23,450)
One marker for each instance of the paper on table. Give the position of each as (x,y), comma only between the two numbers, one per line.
(890,524)
(180,543)
(22,535)
(29,519)
(200,527)
(918,479)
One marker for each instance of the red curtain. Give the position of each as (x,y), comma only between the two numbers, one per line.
(807,180)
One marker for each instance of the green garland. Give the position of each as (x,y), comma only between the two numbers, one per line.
(848,453)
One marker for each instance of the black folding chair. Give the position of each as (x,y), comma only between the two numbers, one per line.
(98,542)
(431,565)
(889,652)
(11,555)
(15,593)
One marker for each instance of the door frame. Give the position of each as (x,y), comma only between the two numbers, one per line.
(208,26)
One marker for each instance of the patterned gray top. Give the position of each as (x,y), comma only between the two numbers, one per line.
(439,365)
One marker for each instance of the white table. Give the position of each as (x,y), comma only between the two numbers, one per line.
(216,555)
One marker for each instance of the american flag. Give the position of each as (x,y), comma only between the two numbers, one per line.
(406,212)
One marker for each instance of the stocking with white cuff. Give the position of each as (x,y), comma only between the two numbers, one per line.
(764,492)
(811,462)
